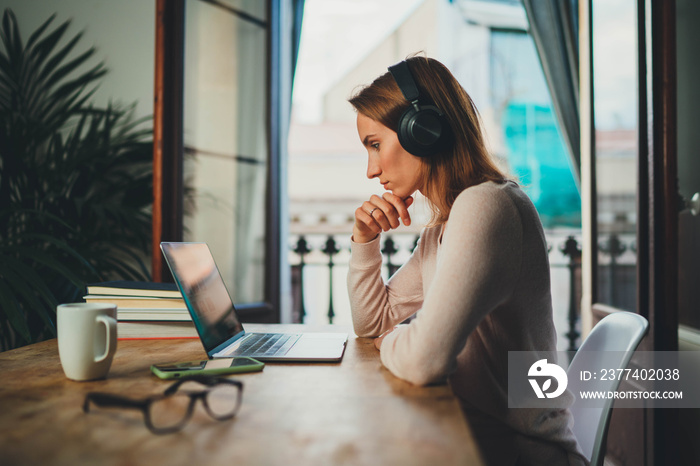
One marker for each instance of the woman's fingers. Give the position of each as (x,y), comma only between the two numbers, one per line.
(364,219)
(401,206)
(383,213)
(380,214)
(378,341)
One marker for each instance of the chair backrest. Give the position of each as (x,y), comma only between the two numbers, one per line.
(619,334)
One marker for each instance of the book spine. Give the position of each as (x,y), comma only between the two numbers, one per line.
(146,303)
(155,330)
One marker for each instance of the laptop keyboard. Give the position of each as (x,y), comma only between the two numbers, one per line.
(267,344)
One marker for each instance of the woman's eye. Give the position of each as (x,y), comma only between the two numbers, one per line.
(375,146)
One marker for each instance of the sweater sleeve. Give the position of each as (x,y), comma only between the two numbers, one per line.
(377,306)
(477,269)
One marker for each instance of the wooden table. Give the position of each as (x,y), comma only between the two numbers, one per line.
(353,412)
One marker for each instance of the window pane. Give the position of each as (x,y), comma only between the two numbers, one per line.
(226,149)
(534,148)
(616,149)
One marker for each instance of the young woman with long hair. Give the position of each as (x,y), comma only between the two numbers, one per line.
(477,284)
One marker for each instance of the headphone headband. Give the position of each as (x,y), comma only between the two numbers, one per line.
(403,77)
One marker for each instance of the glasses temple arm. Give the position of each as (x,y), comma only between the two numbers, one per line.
(109,400)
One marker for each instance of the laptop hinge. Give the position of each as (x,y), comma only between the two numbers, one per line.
(229,345)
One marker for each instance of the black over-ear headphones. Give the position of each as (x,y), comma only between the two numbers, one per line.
(422,129)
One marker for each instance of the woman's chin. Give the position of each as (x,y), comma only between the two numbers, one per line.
(398,192)
(401,193)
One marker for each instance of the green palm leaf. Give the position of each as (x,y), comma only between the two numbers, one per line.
(39,31)
(75,180)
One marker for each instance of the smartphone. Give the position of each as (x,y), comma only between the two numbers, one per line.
(220,366)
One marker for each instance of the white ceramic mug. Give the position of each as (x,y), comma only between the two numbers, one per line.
(87,339)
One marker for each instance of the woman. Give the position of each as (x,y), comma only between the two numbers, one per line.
(478,280)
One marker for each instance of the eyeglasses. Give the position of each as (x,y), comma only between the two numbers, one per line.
(170,411)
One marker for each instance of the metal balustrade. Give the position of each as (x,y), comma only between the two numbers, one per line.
(330,253)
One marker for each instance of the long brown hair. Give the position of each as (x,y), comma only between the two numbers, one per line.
(467,162)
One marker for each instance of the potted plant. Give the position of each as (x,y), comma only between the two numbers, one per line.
(75,181)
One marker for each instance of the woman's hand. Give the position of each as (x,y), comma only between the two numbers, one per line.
(378,341)
(380,214)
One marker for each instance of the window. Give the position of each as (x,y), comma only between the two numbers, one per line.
(218,122)
(533,147)
(225,139)
(616,151)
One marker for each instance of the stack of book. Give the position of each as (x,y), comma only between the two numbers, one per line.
(145,309)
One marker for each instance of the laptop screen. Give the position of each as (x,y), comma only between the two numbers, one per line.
(204,291)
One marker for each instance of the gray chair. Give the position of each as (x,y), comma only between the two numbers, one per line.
(618,334)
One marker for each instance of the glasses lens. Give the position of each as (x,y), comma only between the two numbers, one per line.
(169,412)
(223,400)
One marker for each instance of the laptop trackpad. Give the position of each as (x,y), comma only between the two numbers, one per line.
(319,346)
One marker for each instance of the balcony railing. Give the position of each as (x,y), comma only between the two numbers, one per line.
(320,264)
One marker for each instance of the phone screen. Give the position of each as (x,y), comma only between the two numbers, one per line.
(206,364)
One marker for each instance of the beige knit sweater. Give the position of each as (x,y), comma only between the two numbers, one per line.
(480,287)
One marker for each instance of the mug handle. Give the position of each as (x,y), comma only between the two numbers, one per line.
(110,324)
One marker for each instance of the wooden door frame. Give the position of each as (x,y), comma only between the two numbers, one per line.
(659,273)
(659,119)
(168,144)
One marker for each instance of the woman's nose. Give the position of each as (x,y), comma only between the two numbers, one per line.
(373,169)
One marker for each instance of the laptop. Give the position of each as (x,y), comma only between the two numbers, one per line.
(217,322)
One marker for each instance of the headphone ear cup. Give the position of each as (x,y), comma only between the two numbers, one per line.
(424,131)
